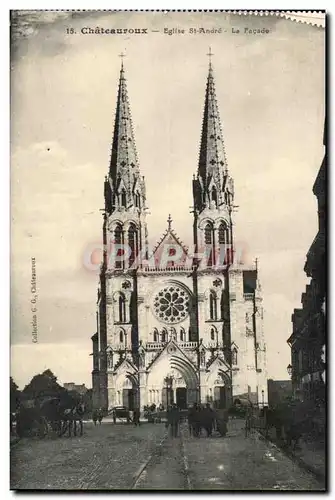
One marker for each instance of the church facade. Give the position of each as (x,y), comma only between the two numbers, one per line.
(175,324)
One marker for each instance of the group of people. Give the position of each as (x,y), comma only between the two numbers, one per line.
(199,417)
(97,416)
(204,417)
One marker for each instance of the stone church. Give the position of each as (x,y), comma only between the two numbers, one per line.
(175,324)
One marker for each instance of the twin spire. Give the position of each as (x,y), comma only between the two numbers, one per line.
(124,173)
(212,159)
(124,156)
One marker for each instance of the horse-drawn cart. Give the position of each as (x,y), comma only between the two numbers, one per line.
(120,413)
(36,418)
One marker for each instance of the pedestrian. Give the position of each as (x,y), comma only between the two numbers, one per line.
(100,415)
(114,416)
(173,418)
(221,418)
(190,418)
(197,423)
(136,417)
(208,419)
(248,421)
(95,416)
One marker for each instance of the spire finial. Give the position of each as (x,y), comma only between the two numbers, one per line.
(210,54)
(122,55)
(169,221)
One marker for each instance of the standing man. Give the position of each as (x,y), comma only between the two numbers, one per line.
(190,419)
(136,417)
(208,419)
(173,418)
(100,415)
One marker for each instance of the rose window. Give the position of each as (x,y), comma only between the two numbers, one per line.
(171,304)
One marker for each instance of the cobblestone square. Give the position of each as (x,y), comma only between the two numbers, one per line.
(124,457)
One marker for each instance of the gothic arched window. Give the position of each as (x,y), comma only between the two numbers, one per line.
(155,335)
(209,242)
(118,241)
(224,241)
(222,233)
(212,333)
(182,335)
(213,312)
(137,200)
(133,243)
(122,308)
(226,198)
(121,337)
(214,195)
(123,198)
(234,356)
(164,336)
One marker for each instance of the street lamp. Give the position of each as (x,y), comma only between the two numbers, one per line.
(289,369)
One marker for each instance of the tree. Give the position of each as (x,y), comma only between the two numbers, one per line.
(15,395)
(42,386)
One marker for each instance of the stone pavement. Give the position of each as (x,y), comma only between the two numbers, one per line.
(106,457)
(309,453)
(239,463)
(110,457)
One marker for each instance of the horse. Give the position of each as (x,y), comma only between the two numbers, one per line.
(72,416)
(62,418)
(289,423)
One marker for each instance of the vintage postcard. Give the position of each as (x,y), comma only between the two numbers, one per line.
(168,250)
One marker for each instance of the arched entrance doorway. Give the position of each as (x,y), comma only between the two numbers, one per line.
(178,389)
(173,379)
(181,397)
(219,389)
(129,394)
(220,396)
(175,390)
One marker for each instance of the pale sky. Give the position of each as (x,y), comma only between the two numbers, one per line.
(270,90)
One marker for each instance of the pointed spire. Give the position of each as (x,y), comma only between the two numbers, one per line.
(125,187)
(213,187)
(212,160)
(124,162)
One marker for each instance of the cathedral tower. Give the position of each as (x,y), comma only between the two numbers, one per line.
(125,246)
(172,326)
(213,188)
(229,300)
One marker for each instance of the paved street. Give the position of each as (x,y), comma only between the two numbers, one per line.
(239,463)
(125,457)
(106,457)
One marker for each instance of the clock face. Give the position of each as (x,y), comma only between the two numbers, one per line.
(171,304)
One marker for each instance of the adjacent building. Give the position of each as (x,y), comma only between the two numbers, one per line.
(79,388)
(175,323)
(308,338)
